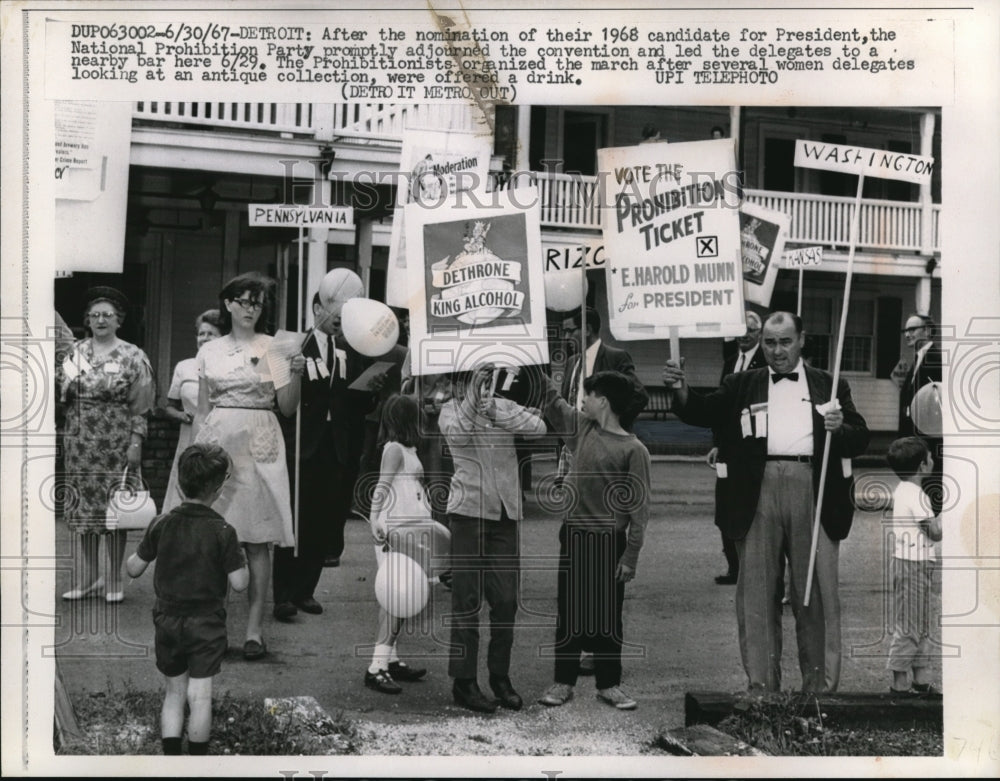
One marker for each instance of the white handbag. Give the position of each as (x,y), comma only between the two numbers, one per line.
(129,508)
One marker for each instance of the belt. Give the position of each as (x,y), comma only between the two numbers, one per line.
(799,459)
(233,406)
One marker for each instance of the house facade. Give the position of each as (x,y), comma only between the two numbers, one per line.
(195,168)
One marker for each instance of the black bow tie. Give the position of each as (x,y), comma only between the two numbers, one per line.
(793,376)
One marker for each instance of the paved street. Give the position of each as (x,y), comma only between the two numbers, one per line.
(680,624)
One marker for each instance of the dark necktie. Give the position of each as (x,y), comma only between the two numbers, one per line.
(739,363)
(793,376)
(331,356)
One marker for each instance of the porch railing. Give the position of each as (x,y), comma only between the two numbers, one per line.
(571,201)
(324,121)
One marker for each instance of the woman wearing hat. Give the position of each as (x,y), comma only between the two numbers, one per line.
(108,388)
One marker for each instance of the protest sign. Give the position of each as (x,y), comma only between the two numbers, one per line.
(762,240)
(672,236)
(863,161)
(475,282)
(299,215)
(434,164)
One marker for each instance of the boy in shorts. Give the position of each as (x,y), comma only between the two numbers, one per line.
(197,554)
(915,529)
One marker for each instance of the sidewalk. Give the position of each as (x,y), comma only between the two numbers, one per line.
(680,626)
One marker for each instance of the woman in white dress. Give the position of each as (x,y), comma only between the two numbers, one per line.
(236,401)
(182,398)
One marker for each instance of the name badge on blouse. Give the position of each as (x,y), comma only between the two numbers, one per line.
(112,367)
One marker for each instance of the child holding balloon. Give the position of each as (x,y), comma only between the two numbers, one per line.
(401,523)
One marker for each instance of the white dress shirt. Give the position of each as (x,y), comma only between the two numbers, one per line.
(790,428)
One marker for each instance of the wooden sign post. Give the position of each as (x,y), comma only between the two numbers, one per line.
(860,161)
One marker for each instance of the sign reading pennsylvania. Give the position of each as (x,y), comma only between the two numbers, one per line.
(861,160)
(300,216)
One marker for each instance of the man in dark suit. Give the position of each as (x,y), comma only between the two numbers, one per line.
(770,416)
(926,367)
(747,356)
(331,438)
(599,357)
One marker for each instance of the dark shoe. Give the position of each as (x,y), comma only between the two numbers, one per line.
(468,695)
(728,579)
(445,579)
(331,561)
(285,611)
(309,605)
(400,671)
(925,690)
(254,650)
(505,693)
(586,665)
(382,682)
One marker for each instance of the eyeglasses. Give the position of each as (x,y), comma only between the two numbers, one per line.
(911,329)
(102,315)
(248,304)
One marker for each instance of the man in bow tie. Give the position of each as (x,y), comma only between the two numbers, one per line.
(771,418)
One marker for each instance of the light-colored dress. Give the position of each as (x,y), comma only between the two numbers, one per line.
(107,400)
(183,388)
(256,498)
(410,528)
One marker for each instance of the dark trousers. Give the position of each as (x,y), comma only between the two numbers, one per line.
(589,603)
(732,557)
(485,562)
(325,492)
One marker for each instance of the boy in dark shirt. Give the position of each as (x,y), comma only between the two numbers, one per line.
(197,554)
(601,535)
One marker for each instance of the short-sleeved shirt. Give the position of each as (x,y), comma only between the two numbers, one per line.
(195,550)
(910,506)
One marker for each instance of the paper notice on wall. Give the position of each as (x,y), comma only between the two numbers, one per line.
(434,165)
(672,236)
(92,147)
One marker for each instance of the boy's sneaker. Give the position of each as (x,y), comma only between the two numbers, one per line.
(618,698)
(557,694)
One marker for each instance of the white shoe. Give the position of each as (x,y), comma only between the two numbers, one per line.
(82,593)
(557,694)
(618,698)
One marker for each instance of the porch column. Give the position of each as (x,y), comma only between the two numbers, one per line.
(734,127)
(926,206)
(523,138)
(315,251)
(923,296)
(365,230)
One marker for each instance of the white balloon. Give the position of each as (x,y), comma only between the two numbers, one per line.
(340,285)
(401,586)
(927,411)
(564,290)
(426,542)
(369,326)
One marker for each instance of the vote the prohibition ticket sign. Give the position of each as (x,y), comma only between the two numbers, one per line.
(672,235)
(476,288)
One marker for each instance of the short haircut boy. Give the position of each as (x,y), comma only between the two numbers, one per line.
(201,469)
(613,386)
(905,456)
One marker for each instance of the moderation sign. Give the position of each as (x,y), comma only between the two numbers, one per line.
(802,257)
(861,160)
(300,216)
(672,237)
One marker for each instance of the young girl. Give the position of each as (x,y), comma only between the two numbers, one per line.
(401,521)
